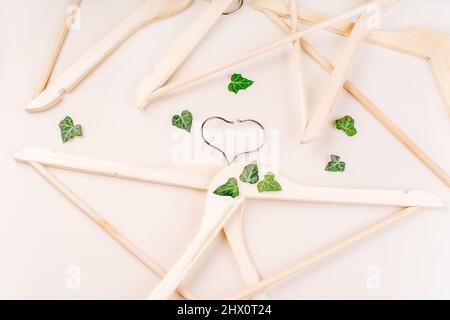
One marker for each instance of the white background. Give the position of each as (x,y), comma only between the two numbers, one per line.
(42,234)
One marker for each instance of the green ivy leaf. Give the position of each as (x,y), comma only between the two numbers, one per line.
(269,183)
(250,173)
(229,189)
(183,121)
(346,124)
(335,164)
(69,130)
(238,82)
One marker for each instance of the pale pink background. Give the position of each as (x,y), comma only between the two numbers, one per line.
(42,234)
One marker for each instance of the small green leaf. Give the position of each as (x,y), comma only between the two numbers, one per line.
(183,121)
(69,130)
(238,82)
(269,183)
(335,164)
(346,124)
(229,189)
(250,173)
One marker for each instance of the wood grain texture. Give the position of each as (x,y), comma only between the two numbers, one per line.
(104,224)
(423,42)
(368,105)
(325,253)
(57,46)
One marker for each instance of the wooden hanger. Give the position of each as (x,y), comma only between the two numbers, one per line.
(164,90)
(337,79)
(191,177)
(367,104)
(57,46)
(219,209)
(234,232)
(165,68)
(300,113)
(423,42)
(149,11)
(199,178)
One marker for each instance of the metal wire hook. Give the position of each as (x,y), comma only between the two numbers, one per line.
(239,4)
(233,122)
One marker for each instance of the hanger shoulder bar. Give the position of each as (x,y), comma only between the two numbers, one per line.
(196,177)
(338,77)
(300,112)
(235,235)
(57,46)
(180,50)
(440,64)
(296,192)
(104,224)
(149,11)
(415,41)
(175,85)
(221,212)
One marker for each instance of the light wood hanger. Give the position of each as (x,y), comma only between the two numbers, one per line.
(367,104)
(149,11)
(219,209)
(57,46)
(191,177)
(180,50)
(325,253)
(300,113)
(423,42)
(384,5)
(199,178)
(234,232)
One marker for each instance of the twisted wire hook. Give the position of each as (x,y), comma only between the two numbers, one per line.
(233,122)
(239,4)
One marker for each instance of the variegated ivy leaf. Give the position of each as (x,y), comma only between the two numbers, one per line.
(183,121)
(268,184)
(250,173)
(346,124)
(238,82)
(229,189)
(69,130)
(335,164)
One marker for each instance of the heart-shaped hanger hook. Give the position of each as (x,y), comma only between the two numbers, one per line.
(237,121)
(234,7)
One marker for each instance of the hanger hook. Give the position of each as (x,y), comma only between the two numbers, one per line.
(233,122)
(239,4)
